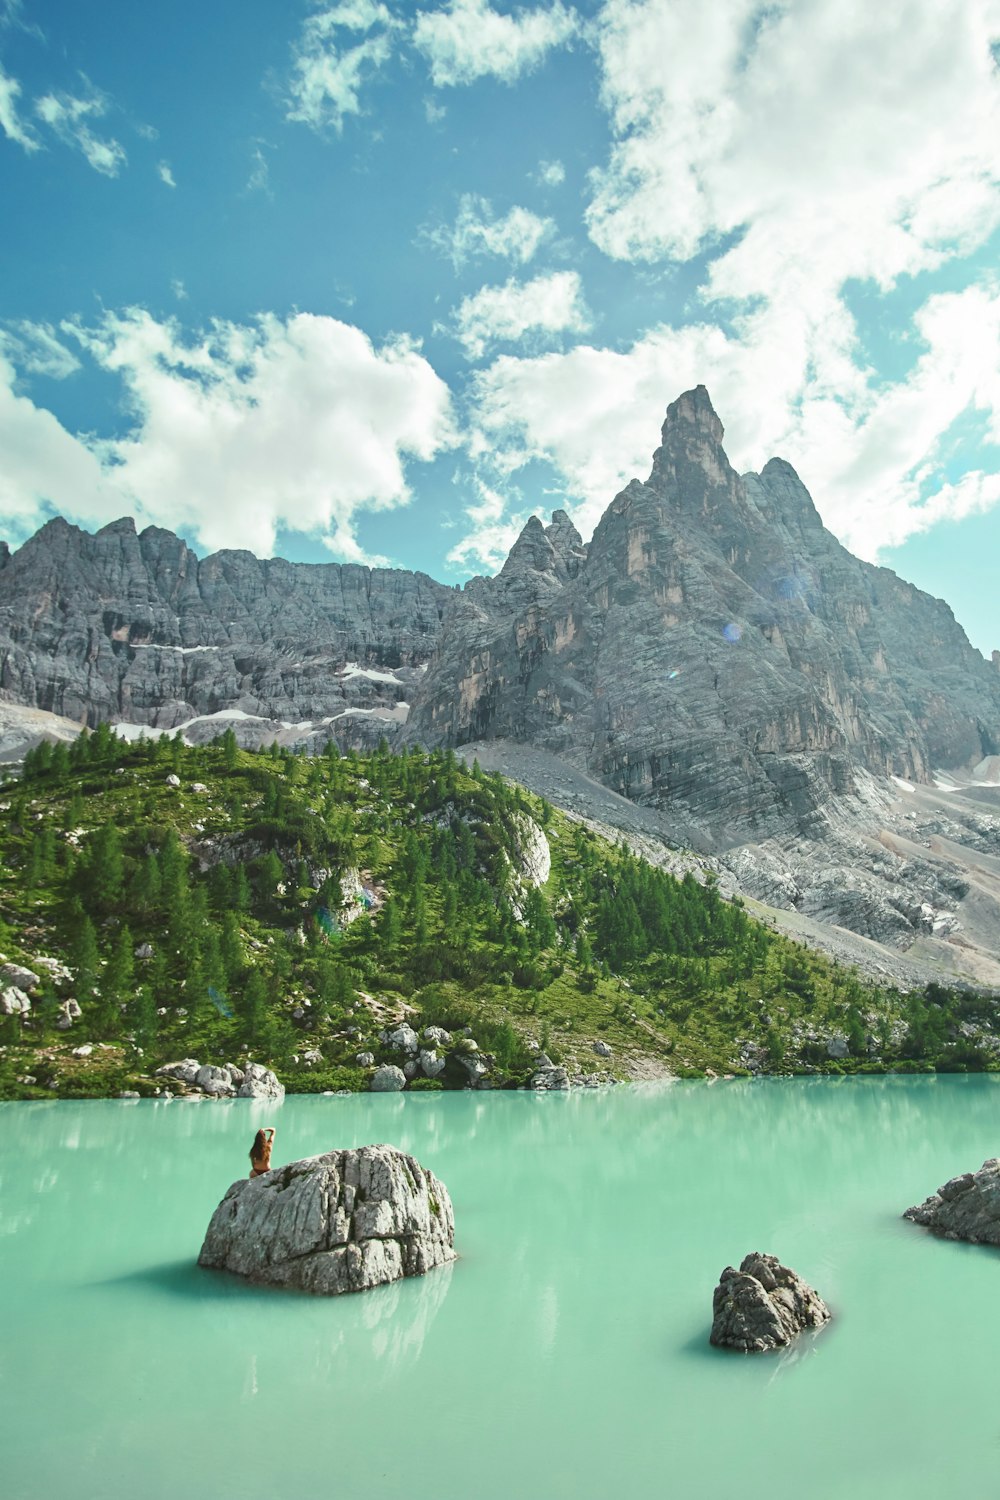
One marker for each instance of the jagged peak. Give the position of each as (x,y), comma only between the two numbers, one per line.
(124,526)
(694,409)
(531,550)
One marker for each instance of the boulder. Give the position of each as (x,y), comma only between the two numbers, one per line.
(260,1083)
(431,1062)
(388,1080)
(173,780)
(403,1039)
(84,1051)
(186,1071)
(365,1059)
(341,1222)
(14,1002)
(217,1081)
(602,1049)
(19,976)
(965,1208)
(763,1306)
(437,1035)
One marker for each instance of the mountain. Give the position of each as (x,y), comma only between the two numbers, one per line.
(714,651)
(713,672)
(137,630)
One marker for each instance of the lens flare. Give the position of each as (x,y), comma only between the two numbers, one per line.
(732,633)
(220,1002)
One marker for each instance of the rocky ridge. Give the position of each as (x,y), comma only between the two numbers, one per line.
(137,630)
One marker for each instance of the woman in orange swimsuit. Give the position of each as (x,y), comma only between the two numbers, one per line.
(260,1152)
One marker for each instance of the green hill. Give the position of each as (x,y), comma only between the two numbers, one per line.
(213,903)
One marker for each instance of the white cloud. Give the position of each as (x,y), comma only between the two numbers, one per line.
(165,174)
(868,454)
(179,289)
(328,77)
(470,40)
(814,130)
(69,116)
(501,314)
(515,236)
(493,533)
(551,173)
(250,429)
(35,347)
(13,127)
(44,467)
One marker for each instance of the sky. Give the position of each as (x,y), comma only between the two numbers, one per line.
(374,282)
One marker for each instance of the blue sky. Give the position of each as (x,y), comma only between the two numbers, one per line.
(376,281)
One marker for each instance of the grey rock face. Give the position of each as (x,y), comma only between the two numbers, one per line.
(135,628)
(714,652)
(763,1306)
(388,1080)
(341,1222)
(965,1208)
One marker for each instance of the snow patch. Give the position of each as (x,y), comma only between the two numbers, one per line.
(907,786)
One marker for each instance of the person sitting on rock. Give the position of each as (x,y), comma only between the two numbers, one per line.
(260,1152)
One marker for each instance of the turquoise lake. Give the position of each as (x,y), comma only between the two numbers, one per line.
(565,1354)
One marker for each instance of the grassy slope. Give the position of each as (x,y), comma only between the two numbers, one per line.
(237,889)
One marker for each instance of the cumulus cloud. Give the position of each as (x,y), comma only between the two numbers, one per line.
(469,40)
(328,75)
(515,236)
(45,468)
(69,118)
(797,149)
(870,454)
(855,140)
(13,126)
(247,429)
(544,306)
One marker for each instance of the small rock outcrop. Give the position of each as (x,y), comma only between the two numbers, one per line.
(341,1222)
(763,1306)
(225,1080)
(965,1208)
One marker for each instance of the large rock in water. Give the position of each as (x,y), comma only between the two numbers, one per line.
(763,1306)
(965,1208)
(341,1222)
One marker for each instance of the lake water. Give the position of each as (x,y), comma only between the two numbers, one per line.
(565,1354)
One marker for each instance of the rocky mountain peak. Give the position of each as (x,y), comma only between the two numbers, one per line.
(693,409)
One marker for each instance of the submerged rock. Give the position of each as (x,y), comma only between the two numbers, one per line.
(763,1306)
(341,1222)
(965,1208)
